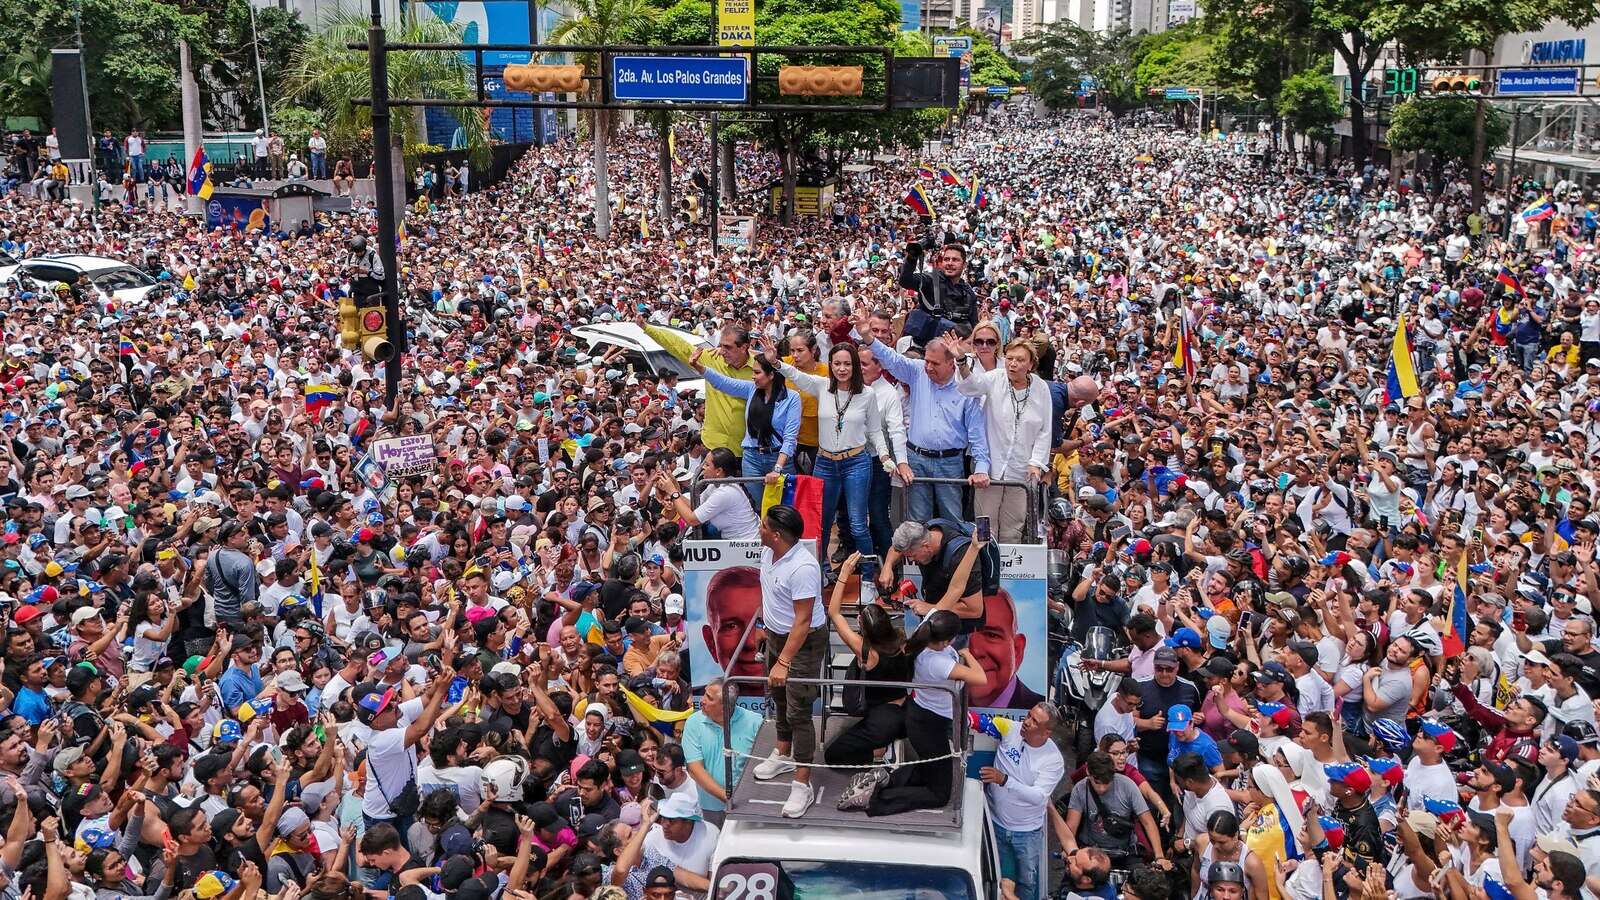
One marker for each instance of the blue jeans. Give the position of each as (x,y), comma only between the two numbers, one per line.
(928,501)
(136,167)
(319,165)
(849,480)
(879,496)
(1021,855)
(759,462)
(1527,355)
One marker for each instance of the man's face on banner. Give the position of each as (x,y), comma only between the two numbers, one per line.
(998,647)
(732,601)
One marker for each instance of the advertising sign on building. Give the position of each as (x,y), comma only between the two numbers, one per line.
(736,23)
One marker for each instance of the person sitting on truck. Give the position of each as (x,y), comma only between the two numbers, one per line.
(928,718)
(880,652)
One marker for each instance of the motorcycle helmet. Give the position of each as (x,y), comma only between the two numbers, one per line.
(1224,871)
(505,775)
(1060,510)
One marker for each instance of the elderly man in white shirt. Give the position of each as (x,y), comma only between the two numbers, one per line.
(1027,767)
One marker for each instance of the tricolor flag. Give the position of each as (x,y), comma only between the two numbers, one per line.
(644,227)
(919,202)
(200,175)
(1402,372)
(1459,625)
(1510,280)
(1539,210)
(948,175)
(1564,535)
(314,589)
(994,726)
(1183,356)
(251,708)
(980,193)
(651,713)
(926,171)
(320,395)
(124,346)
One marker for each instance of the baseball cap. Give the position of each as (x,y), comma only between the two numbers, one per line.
(1566,746)
(84,614)
(1179,716)
(1185,638)
(1277,712)
(673,605)
(1582,731)
(661,876)
(375,702)
(1352,774)
(1272,672)
(1443,734)
(1167,655)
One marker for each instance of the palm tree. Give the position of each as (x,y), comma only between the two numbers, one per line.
(323,70)
(602,22)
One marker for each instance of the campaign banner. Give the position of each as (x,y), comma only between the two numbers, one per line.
(407,454)
(738,232)
(721,596)
(1013,644)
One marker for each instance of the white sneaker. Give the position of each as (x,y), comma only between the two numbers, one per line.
(801,796)
(773,766)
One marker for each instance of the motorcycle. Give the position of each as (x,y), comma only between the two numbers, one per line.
(1058,569)
(1080,691)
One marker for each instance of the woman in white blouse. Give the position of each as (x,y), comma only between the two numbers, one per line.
(849,439)
(1017,411)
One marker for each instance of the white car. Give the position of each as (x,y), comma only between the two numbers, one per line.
(642,352)
(8,264)
(124,283)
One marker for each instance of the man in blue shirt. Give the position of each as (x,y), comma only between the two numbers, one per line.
(241,683)
(31,702)
(702,748)
(1184,737)
(942,425)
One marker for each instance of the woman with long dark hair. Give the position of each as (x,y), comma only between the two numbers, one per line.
(850,439)
(880,651)
(771,421)
(929,715)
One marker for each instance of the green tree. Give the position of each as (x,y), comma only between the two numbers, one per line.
(1443,128)
(230,92)
(603,22)
(327,75)
(1065,53)
(1309,102)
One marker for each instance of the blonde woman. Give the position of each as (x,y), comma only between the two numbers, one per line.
(986,344)
(1017,415)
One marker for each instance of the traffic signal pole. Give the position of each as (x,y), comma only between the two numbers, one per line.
(383,183)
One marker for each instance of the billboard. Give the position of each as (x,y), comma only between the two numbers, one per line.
(721,595)
(960,48)
(736,23)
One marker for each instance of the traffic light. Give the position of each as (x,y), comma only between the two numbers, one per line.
(1399,82)
(374,328)
(349,324)
(1456,84)
(820,81)
(543,79)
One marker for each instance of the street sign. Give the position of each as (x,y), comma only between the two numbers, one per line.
(680,79)
(408,454)
(998,90)
(1182,93)
(1536,81)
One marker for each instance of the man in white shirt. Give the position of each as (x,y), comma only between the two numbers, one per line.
(1027,767)
(1116,716)
(791,609)
(396,729)
(1316,695)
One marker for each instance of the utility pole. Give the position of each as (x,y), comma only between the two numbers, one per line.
(261,84)
(714,198)
(189,93)
(383,183)
(1511,169)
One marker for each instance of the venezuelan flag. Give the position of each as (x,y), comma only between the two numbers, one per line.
(996,727)
(1402,373)
(1539,210)
(214,883)
(926,171)
(1183,356)
(124,346)
(1563,536)
(980,193)
(1510,280)
(948,175)
(1457,628)
(200,174)
(314,589)
(645,710)
(919,202)
(252,708)
(644,227)
(320,395)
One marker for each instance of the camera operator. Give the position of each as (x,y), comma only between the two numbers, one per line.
(944,299)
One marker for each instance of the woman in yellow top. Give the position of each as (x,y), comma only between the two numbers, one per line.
(805,356)
(1275,825)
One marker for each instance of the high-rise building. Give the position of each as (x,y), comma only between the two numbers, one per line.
(1025,18)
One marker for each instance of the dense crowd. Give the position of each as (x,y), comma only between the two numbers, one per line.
(1354,611)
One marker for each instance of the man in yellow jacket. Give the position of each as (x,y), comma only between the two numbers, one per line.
(724,425)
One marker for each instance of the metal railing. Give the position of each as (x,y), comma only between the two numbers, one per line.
(1031,531)
(958,718)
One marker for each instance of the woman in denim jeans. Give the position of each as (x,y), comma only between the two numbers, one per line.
(771,421)
(849,438)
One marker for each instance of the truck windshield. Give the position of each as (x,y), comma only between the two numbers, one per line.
(817,880)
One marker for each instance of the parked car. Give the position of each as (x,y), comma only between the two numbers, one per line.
(121,281)
(642,352)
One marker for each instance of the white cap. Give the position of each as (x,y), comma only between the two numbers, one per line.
(673,605)
(84,614)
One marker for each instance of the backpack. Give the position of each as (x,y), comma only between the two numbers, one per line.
(956,544)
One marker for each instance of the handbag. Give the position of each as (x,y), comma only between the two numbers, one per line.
(405,804)
(1108,832)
